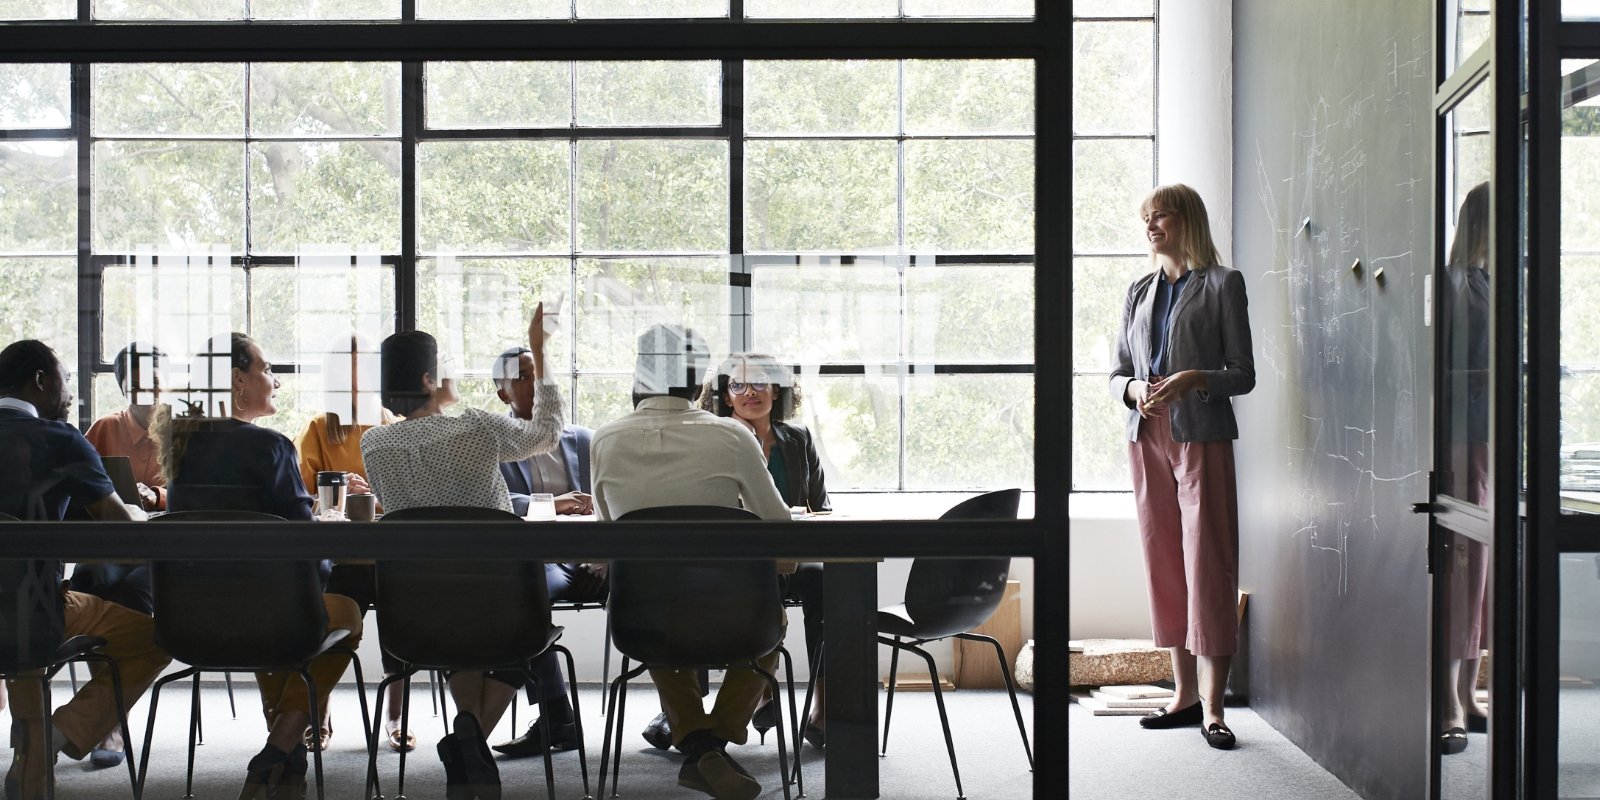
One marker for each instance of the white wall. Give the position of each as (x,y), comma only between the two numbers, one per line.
(1194,134)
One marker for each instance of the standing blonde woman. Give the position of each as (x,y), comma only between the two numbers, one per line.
(1183,351)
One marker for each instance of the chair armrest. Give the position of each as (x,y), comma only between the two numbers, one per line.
(77,646)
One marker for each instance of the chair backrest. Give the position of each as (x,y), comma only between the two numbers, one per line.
(462,614)
(237,614)
(32,613)
(692,613)
(955,595)
(214,497)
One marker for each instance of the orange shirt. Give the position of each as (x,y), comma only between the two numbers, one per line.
(319,453)
(118,434)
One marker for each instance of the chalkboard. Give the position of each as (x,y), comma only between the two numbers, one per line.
(1332,223)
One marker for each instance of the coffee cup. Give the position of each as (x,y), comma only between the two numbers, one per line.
(330,490)
(361,507)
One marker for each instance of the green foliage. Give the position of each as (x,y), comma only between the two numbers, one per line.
(493,9)
(638,93)
(40,301)
(820,97)
(493,196)
(1109,180)
(820,195)
(498,94)
(35,95)
(38,197)
(968,97)
(1113,77)
(652,195)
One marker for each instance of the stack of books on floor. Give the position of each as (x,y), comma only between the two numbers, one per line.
(1123,701)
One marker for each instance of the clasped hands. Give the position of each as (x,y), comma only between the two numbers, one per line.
(1147,396)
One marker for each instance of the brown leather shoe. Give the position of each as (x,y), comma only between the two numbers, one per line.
(718,775)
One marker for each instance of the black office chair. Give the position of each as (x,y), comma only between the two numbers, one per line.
(466,615)
(947,598)
(200,606)
(33,638)
(681,614)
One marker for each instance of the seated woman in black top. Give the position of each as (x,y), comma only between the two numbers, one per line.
(220,446)
(756,390)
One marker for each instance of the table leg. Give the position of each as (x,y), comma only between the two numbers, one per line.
(850,647)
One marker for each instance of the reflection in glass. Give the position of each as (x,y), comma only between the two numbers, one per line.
(947,303)
(471,305)
(825,311)
(1464,318)
(621,296)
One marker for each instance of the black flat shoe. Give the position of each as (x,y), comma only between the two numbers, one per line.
(658,733)
(1218,736)
(815,735)
(563,737)
(1161,719)
(1453,741)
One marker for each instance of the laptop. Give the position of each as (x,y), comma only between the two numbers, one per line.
(120,470)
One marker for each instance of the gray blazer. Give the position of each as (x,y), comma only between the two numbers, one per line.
(1210,332)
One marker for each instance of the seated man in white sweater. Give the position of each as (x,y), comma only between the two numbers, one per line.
(669,453)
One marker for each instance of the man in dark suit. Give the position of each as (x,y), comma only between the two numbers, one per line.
(564,474)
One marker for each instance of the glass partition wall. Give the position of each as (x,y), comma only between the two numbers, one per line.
(862,198)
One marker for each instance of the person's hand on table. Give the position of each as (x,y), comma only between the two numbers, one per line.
(148,498)
(355,484)
(574,503)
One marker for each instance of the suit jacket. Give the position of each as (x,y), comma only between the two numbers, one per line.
(574,449)
(1210,332)
(806,486)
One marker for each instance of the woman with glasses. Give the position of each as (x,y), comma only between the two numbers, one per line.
(756,390)
(1183,353)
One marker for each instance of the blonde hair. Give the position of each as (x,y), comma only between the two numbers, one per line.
(1194,225)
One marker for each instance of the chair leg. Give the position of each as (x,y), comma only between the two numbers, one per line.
(372,791)
(196,734)
(611,745)
(794,716)
(368,722)
(150,726)
(227,680)
(72,675)
(405,725)
(816,673)
(1011,687)
(783,751)
(605,667)
(944,719)
(437,680)
(122,717)
(577,714)
(888,709)
(46,753)
(544,732)
(316,727)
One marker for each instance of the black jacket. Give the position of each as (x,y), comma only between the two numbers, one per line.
(806,486)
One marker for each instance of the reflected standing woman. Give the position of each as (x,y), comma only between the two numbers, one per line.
(1183,351)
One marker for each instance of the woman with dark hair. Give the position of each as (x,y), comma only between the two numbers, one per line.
(231,450)
(429,459)
(756,390)
(1183,353)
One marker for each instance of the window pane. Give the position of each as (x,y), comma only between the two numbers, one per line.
(855,423)
(481,306)
(619,298)
(633,93)
(298,400)
(820,97)
(827,313)
(1113,90)
(1580,9)
(1112,8)
(969,8)
(494,9)
(324,9)
(299,312)
(174,301)
(969,196)
(11,10)
(821,9)
(168,195)
(660,196)
(35,96)
(107,395)
(1099,436)
(168,10)
(970,313)
(1109,180)
(1580,208)
(338,99)
(40,301)
(324,193)
(637,9)
(969,431)
(168,99)
(1099,289)
(969,96)
(499,94)
(602,398)
(38,197)
(806,196)
(496,197)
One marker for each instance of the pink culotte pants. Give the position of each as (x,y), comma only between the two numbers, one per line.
(1188,508)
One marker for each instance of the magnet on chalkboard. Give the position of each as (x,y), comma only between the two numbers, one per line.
(1377,274)
(1304,226)
(1356,267)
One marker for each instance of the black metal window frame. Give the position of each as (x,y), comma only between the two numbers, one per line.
(1046,39)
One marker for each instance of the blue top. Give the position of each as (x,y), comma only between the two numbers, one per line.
(1161,319)
(227,452)
(44,466)
(780,475)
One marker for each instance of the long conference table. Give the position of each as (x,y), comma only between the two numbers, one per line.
(851,547)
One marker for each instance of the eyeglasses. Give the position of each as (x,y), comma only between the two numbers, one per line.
(736,388)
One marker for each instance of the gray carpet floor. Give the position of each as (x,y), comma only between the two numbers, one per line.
(990,752)
(1112,758)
